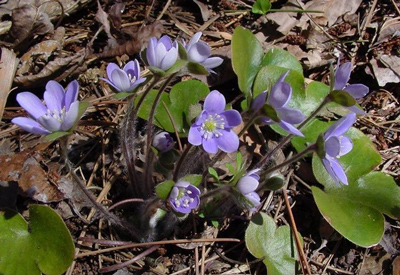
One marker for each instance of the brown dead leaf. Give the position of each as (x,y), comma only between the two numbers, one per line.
(8,65)
(115,14)
(25,168)
(386,69)
(205,12)
(28,21)
(102,18)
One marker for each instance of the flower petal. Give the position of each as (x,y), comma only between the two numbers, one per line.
(29,125)
(247,184)
(289,115)
(169,59)
(346,145)
(120,80)
(70,117)
(32,104)
(132,68)
(332,146)
(228,141)
(357,90)
(280,95)
(338,173)
(71,94)
(194,136)
(212,62)
(232,118)
(290,128)
(259,101)
(54,96)
(342,75)
(254,198)
(199,52)
(355,109)
(215,102)
(210,145)
(110,68)
(341,126)
(182,184)
(166,41)
(151,52)
(50,123)
(195,38)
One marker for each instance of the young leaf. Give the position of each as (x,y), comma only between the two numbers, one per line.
(261,7)
(193,179)
(164,188)
(264,239)
(45,246)
(247,54)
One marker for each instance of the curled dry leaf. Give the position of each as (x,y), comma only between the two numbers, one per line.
(8,66)
(26,169)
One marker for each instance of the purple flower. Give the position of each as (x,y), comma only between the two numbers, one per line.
(184,197)
(335,146)
(342,76)
(163,142)
(59,113)
(125,80)
(199,52)
(213,127)
(247,185)
(162,53)
(278,98)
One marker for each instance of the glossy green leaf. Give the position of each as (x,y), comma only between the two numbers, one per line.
(264,239)
(164,188)
(342,98)
(178,104)
(247,54)
(261,7)
(196,68)
(43,246)
(282,58)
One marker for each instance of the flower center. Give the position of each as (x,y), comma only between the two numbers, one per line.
(132,78)
(59,116)
(183,199)
(212,126)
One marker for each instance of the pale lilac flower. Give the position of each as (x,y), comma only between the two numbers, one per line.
(162,53)
(59,113)
(278,98)
(199,52)
(213,127)
(336,145)
(247,185)
(163,142)
(125,80)
(342,76)
(184,197)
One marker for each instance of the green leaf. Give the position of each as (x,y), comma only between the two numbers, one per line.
(342,98)
(54,136)
(194,179)
(164,188)
(45,246)
(282,58)
(277,245)
(261,7)
(247,54)
(196,68)
(182,96)
(213,173)
(122,95)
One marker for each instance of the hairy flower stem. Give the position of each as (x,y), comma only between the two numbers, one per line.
(110,216)
(180,161)
(311,148)
(128,132)
(265,158)
(149,184)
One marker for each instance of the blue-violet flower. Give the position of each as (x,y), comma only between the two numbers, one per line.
(162,53)
(337,145)
(125,80)
(278,98)
(213,127)
(199,52)
(163,142)
(342,76)
(59,113)
(184,197)
(247,185)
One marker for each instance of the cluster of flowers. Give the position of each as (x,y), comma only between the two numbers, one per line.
(214,126)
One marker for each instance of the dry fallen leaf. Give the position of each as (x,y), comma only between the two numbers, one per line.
(386,69)
(26,169)
(8,65)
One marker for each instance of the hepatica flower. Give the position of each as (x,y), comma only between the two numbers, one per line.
(59,112)
(162,53)
(213,127)
(342,76)
(247,185)
(184,197)
(274,108)
(335,145)
(124,80)
(163,142)
(199,52)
